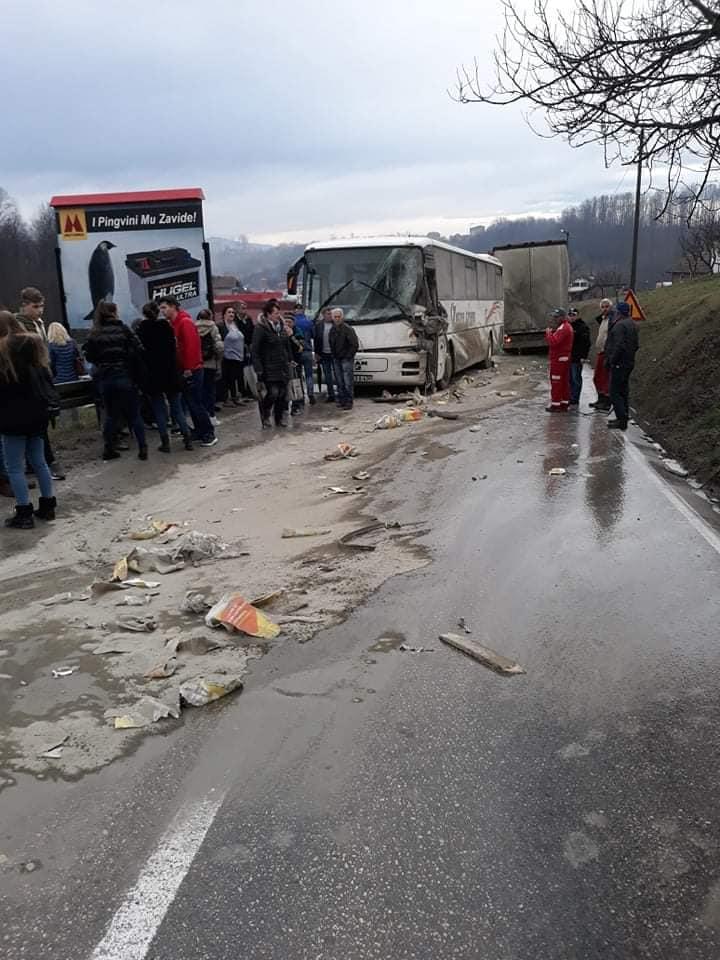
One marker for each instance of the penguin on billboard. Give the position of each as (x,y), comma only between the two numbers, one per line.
(101,276)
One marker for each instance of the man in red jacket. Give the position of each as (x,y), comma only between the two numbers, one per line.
(190,363)
(560,342)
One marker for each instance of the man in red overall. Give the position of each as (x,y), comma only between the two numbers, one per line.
(560,341)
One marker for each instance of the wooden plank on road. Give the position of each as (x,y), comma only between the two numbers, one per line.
(484,655)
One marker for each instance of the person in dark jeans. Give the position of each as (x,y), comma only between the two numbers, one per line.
(190,364)
(344,345)
(580,352)
(271,358)
(118,357)
(323,329)
(620,348)
(162,386)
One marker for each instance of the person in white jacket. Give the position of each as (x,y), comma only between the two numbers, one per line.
(601,378)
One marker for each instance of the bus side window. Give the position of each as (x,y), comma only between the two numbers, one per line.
(487,284)
(443,273)
(471,279)
(499,292)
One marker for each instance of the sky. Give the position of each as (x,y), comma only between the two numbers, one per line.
(299,120)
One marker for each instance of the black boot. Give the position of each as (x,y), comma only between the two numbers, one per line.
(142,453)
(187,442)
(164,443)
(23,519)
(46,508)
(110,454)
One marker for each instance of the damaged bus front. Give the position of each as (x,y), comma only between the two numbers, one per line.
(416,326)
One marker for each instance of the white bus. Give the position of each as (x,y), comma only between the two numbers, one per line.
(422,309)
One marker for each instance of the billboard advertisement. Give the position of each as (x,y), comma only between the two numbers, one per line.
(131,248)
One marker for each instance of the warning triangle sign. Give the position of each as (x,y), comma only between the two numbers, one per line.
(636,311)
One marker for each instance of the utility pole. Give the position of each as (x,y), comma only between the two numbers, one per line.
(636,224)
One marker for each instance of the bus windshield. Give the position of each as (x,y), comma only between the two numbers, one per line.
(371,284)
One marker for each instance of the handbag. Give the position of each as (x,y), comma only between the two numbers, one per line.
(295,389)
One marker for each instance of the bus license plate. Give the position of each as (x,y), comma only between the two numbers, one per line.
(363,378)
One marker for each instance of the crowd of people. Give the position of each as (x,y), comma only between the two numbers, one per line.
(167,370)
(569,343)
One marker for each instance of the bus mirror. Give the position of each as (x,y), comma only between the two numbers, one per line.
(292,276)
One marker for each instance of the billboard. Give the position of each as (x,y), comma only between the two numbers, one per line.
(130,248)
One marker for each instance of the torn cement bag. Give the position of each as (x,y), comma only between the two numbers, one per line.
(203,690)
(161,671)
(154,530)
(233,612)
(146,711)
(136,624)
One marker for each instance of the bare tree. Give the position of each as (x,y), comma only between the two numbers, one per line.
(641,78)
(700,243)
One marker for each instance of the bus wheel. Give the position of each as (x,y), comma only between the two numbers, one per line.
(487,363)
(449,372)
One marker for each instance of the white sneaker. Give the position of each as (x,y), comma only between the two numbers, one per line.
(209,443)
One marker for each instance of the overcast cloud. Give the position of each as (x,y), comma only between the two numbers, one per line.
(299,120)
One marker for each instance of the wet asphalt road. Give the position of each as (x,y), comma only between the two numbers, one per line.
(370,803)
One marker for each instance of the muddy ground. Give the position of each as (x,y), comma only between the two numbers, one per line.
(246,491)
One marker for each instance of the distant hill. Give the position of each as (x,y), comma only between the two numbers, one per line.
(257,266)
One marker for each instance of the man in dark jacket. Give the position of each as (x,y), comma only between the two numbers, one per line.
(271,359)
(580,352)
(620,349)
(344,345)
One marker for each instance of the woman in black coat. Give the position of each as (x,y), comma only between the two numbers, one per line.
(162,384)
(271,357)
(118,357)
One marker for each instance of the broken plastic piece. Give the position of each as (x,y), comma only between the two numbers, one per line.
(558,472)
(484,655)
(194,603)
(64,672)
(233,612)
(463,625)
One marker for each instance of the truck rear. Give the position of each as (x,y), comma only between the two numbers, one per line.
(535,281)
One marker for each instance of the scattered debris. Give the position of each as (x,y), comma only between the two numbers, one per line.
(343,452)
(137,624)
(463,625)
(266,599)
(344,491)
(146,711)
(363,475)
(405,648)
(154,530)
(65,598)
(64,672)
(198,645)
(54,750)
(298,618)
(557,472)
(476,429)
(133,600)
(117,645)
(290,532)
(520,372)
(328,429)
(443,415)
(483,476)
(6,676)
(672,466)
(233,612)
(194,603)
(203,690)
(348,540)
(162,670)
(484,655)
(398,417)
(506,394)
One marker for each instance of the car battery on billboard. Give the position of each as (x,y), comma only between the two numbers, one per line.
(171,272)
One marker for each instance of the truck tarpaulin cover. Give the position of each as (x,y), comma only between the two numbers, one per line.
(128,249)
